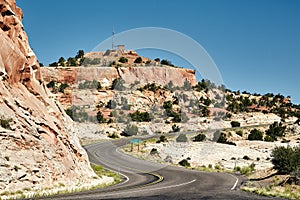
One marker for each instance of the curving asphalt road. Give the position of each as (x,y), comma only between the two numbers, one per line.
(148,180)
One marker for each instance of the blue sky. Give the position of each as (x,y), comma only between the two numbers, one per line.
(254,43)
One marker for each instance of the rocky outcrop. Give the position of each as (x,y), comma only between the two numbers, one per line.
(39,147)
(105,75)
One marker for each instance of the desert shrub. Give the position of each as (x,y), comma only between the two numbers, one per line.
(153,151)
(275,130)
(118,84)
(113,136)
(111,104)
(248,169)
(150,87)
(51,84)
(184,163)
(235,124)
(217,167)
(130,130)
(123,60)
(199,138)
(222,138)
(246,157)
(255,135)
(182,138)
(162,139)
(286,159)
(239,133)
(138,60)
(89,85)
(62,87)
(5,122)
(166,62)
(237,168)
(140,116)
(175,128)
(100,117)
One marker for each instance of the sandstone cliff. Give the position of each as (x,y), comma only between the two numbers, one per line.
(105,75)
(39,147)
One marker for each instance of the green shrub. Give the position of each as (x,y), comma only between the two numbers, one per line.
(182,138)
(286,159)
(166,62)
(118,84)
(62,87)
(100,117)
(123,60)
(275,130)
(246,157)
(235,124)
(175,128)
(140,116)
(51,84)
(239,133)
(138,60)
(162,139)
(184,163)
(113,136)
(153,151)
(255,135)
(5,122)
(130,130)
(199,138)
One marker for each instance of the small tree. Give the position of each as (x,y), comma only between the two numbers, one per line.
(235,124)
(184,163)
(79,54)
(162,139)
(130,130)
(62,87)
(100,117)
(255,135)
(123,60)
(138,60)
(286,159)
(118,84)
(62,61)
(199,138)
(175,128)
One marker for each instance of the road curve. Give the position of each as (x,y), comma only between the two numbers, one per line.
(148,180)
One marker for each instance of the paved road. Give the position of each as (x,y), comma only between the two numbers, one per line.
(177,183)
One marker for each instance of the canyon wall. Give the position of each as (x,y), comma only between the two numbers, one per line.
(39,147)
(105,75)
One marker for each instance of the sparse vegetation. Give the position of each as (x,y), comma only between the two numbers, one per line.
(123,60)
(138,60)
(184,163)
(255,135)
(5,122)
(199,138)
(235,124)
(130,130)
(286,159)
(162,138)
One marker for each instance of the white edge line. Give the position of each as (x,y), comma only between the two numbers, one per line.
(152,189)
(236,182)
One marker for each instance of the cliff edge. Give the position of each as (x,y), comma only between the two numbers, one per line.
(39,147)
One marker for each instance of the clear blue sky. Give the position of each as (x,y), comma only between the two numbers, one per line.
(255,43)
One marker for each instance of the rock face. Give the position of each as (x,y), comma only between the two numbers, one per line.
(39,147)
(105,75)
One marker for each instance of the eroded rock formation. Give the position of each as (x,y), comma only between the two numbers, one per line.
(39,147)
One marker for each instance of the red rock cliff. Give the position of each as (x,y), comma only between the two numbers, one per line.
(39,147)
